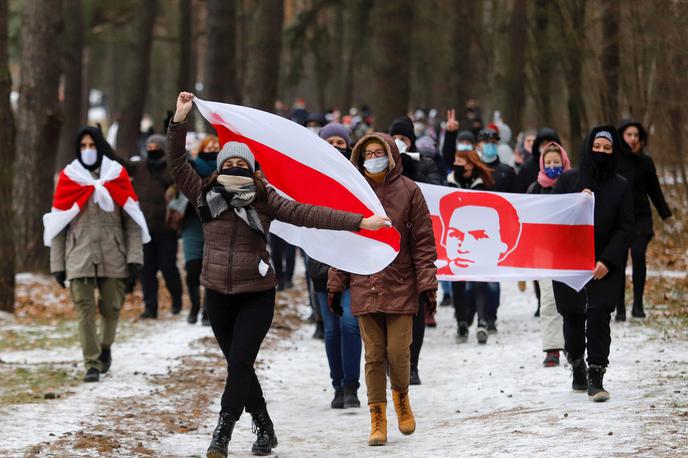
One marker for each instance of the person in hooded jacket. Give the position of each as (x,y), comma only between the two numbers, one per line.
(587,314)
(639,170)
(152,181)
(531,167)
(386,302)
(422,169)
(342,335)
(236,207)
(100,250)
(554,161)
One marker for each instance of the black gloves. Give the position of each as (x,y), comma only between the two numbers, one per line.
(429,299)
(130,281)
(334,302)
(60,278)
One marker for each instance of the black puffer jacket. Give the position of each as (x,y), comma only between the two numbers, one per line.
(424,170)
(529,172)
(504,177)
(613,224)
(640,172)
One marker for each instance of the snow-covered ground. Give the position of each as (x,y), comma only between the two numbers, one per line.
(487,400)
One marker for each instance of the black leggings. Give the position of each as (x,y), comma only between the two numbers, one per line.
(464,307)
(418,335)
(596,336)
(193,283)
(240,323)
(638,250)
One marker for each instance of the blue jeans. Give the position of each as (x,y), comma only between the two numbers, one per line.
(342,342)
(446,288)
(485,297)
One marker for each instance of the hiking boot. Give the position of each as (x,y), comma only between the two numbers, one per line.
(319,330)
(521,286)
(265,432)
(221,437)
(105,359)
(351,397)
(620,317)
(551,359)
(637,311)
(414,379)
(192,318)
(446,301)
(92,375)
(578,374)
(338,401)
(407,423)
(491,326)
(378,423)
(462,333)
(481,333)
(147,314)
(596,391)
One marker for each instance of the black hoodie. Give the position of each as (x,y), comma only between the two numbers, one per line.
(102,146)
(529,172)
(640,172)
(613,216)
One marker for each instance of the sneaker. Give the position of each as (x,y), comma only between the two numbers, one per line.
(105,359)
(415,378)
(148,315)
(552,358)
(481,334)
(446,301)
(462,333)
(92,375)
(491,327)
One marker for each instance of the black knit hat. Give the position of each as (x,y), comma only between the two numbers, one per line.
(403,126)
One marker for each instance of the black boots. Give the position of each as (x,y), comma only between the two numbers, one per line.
(351,397)
(338,401)
(221,436)
(414,379)
(620,313)
(637,311)
(579,373)
(105,359)
(462,332)
(263,428)
(596,391)
(92,375)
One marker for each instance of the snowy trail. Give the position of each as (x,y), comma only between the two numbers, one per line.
(491,400)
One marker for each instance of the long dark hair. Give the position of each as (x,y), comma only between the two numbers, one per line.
(483,170)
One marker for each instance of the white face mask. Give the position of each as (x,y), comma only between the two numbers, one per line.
(376,165)
(89,156)
(401,145)
(314,129)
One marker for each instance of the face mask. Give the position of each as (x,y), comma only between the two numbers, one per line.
(155,155)
(554,172)
(346,152)
(464,147)
(314,129)
(89,157)
(236,171)
(459,171)
(489,153)
(601,160)
(401,145)
(376,165)
(210,156)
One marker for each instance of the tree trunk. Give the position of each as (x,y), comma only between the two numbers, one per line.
(463,63)
(186,63)
(73,115)
(515,75)
(358,13)
(262,73)
(610,60)
(135,79)
(38,129)
(392,25)
(220,58)
(7,266)
(543,58)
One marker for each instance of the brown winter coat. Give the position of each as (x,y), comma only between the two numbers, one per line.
(233,251)
(97,244)
(396,288)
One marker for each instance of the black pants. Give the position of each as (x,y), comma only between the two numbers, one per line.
(283,258)
(595,337)
(418,335)
(464,304)
(240,323)
(193,284)
(160,254)
(638,250)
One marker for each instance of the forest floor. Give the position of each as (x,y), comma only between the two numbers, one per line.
(161,396)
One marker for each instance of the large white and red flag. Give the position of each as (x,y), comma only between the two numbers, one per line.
(304,167)
(487,236)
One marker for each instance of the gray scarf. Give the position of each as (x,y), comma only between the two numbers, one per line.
(236,192)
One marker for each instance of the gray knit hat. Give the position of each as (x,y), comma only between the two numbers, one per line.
(236,149)
(335,129)
(159,140)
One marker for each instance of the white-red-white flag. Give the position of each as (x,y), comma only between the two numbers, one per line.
(487,236)
(304,167)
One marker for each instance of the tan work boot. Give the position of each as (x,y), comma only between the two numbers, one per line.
(378,423)
(407,424)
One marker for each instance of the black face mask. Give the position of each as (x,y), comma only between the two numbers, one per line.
(601,160)
(155,155)
(346,152)
(236,171)
(459,171)
(208,156)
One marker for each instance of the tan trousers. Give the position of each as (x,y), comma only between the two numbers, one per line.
(111,298)
(386,338)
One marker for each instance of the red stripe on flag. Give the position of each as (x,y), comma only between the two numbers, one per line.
(543,246)
(305,184)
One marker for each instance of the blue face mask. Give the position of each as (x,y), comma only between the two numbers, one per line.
(464,147)
(554,172)
(489,152)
